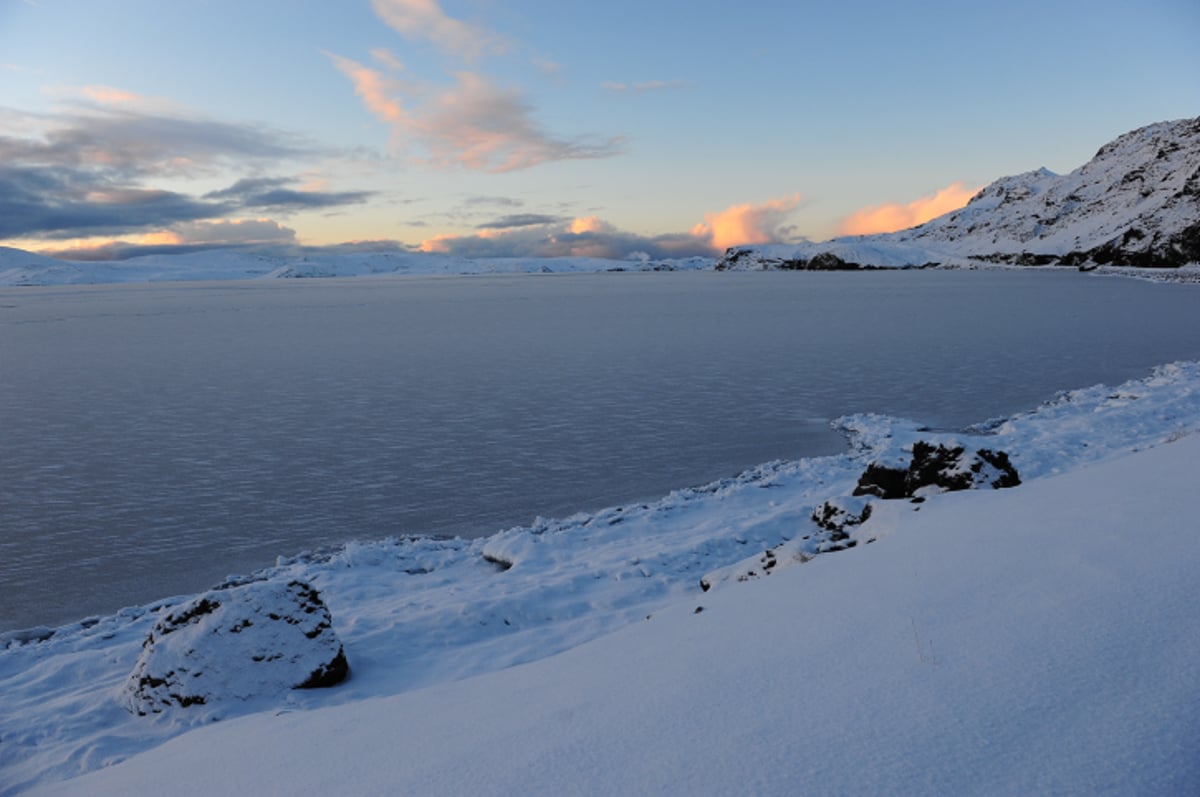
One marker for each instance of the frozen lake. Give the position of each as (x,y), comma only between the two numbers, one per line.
(154,438)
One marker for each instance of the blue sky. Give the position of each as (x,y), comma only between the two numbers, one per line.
(534,127)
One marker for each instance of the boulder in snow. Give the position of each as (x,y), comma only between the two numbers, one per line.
(237,644)
(939,468)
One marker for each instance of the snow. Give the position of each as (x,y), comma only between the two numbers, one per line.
(1041,638)
(18,267)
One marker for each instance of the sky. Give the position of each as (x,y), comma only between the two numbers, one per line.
(550,128)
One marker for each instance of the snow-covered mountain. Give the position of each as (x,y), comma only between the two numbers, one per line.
(1136,203)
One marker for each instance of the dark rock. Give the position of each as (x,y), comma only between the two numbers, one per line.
(837,515)
(237,644)
(940,468)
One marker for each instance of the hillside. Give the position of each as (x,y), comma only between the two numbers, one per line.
(1136,203)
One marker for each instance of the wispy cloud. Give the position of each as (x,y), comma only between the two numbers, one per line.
(424,20)
(518,220)
(107,95)
(747,223)
(275,193)
(474,124)
(896,216)
(644,87)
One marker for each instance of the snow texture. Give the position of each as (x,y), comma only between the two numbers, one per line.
(1036,639)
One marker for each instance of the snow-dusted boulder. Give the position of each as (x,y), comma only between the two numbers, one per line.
(939,468)
(837,515)
(237,644)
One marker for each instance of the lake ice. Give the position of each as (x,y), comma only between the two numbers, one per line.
(154,438)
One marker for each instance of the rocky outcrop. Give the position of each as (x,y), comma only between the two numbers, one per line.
(237,644)
(938,468)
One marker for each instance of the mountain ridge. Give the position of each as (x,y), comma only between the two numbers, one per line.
(1135,203)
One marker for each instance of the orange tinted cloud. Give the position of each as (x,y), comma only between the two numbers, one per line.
(895,216)
(107,95)
(746,224)
(474,124)
(374,89)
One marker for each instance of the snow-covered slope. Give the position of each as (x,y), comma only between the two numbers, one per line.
(1137,202)
(1066,607)
(1032,641)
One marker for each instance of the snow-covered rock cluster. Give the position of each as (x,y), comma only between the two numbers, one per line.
(1136,203)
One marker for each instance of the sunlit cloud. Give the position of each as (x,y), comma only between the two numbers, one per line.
(107,95)
(178,239)
(747,224)
(424,20)
(895,216)
(233,232)
(474,124)
(580,237)
(387,59)
(375,89)
(536,235)
(646,86)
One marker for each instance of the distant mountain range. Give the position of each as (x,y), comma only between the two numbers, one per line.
(1136,203)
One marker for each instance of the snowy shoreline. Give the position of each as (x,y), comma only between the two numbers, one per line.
(418,614)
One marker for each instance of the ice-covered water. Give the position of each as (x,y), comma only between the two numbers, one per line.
(154,438)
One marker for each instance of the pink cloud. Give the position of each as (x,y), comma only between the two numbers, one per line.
(895,216)
(747,224)
(425,20)
(107,95)
(474,123)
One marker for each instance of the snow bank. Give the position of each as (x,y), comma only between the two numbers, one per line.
(1038,638)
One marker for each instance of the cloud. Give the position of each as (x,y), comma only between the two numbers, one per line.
(583,237)
(129,144)
(896,216)
(272,193)
(499,201)
(107,95)
(536,235)
(424,20)
(474,123)
(232,232)
(518,220)
(93,173)
(642,88)
(747,224)
(65,203)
